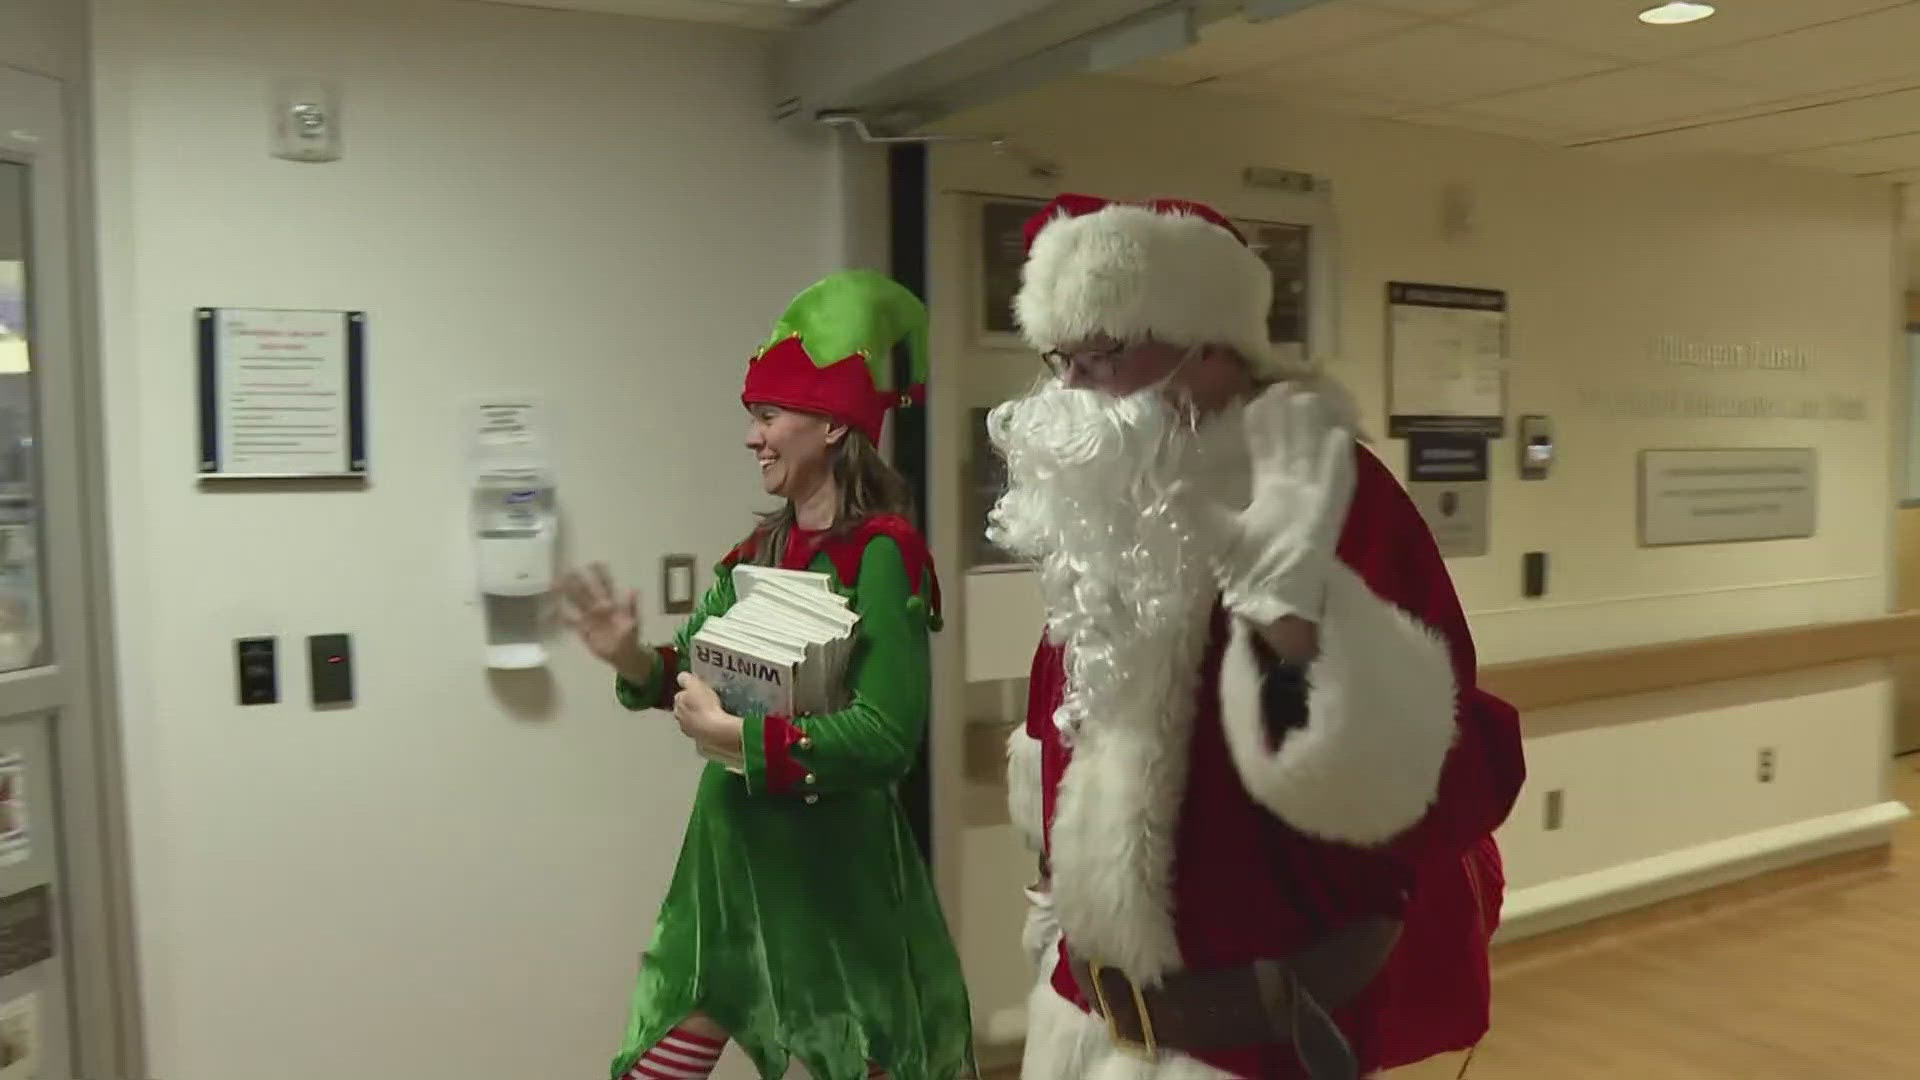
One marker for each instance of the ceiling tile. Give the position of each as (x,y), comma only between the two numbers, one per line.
(1353,105)
(1609,27)
(1891,154)
(1433,65)
(1468,120)
(1632,98)
(1233,45)
(1837,54)
(1436,9)
(1313,98)
(1796,128)
(755,14)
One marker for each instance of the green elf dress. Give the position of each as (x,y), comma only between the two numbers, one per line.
(801,917)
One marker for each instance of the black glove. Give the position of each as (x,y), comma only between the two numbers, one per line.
(1283,693)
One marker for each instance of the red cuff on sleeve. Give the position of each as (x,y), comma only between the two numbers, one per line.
(778,737)
(669,676)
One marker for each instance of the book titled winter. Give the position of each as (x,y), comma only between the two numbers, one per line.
(781,649)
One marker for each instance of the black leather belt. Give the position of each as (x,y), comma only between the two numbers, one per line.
(1261,1003)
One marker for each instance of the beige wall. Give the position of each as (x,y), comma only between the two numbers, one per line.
(44,36)
(453,879)
(1599,258)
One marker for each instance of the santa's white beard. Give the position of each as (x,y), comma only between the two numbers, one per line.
(1108,496)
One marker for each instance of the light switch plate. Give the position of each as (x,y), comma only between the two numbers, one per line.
(1533,574)
(677,584)
(259,671)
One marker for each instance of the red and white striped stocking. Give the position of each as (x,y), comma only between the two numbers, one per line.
(679,1055)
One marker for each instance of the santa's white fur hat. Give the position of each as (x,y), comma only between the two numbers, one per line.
(1174,271)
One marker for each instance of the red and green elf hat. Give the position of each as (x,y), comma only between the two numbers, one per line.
(832,352)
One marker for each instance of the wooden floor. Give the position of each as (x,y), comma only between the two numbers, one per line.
(1818,982)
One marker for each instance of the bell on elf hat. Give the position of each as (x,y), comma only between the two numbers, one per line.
(832,352)
(1167,269)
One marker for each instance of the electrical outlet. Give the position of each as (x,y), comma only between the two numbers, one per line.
(1556,809)
(1766,764)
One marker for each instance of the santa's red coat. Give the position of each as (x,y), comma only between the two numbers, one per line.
(1384,803)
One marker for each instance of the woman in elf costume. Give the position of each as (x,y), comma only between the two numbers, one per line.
(801,922)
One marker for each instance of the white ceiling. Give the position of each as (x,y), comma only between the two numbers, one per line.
(1832,85)
(1825,84)
(757,14)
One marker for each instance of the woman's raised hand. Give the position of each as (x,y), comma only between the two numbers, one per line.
(607,620)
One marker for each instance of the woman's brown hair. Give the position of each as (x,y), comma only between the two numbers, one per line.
(868,486)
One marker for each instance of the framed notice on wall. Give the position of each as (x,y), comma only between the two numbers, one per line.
(1446,359)
(282,394)
(1290,255)
(1724,496)
(999,250)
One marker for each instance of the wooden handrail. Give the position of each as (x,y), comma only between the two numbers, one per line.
(1564,680)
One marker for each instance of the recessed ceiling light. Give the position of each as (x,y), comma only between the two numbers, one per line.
(1676,13)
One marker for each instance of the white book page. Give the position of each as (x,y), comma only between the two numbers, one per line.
(786,622)
(837,614)
(825,598)
(761,645)
(748,577)
(793,621)
(811,680)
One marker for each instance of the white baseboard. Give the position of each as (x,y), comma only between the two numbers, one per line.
(1555,905)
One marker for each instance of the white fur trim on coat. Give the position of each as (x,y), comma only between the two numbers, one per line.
(1040,935)
(1130,272)
(1380,720)
(1116,814)
(1025,802)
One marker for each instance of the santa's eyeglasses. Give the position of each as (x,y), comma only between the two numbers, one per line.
(1097,363)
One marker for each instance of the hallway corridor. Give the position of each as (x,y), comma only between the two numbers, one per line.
(1815,982)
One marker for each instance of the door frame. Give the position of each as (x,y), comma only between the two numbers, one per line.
(95,937)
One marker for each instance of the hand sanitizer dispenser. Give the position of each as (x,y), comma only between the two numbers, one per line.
(515,526)
(514,532)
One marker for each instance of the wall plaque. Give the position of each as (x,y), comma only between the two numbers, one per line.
(1721,496)
(1446,359)
(282,393)
(26,929)
(1447,479)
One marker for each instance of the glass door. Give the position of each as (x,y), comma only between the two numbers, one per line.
(65,990)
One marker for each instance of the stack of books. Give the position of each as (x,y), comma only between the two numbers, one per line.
(781,649)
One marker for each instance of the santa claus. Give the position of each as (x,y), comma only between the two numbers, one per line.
(1256,764)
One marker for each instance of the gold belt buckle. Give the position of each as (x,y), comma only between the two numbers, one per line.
(1145,1049)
